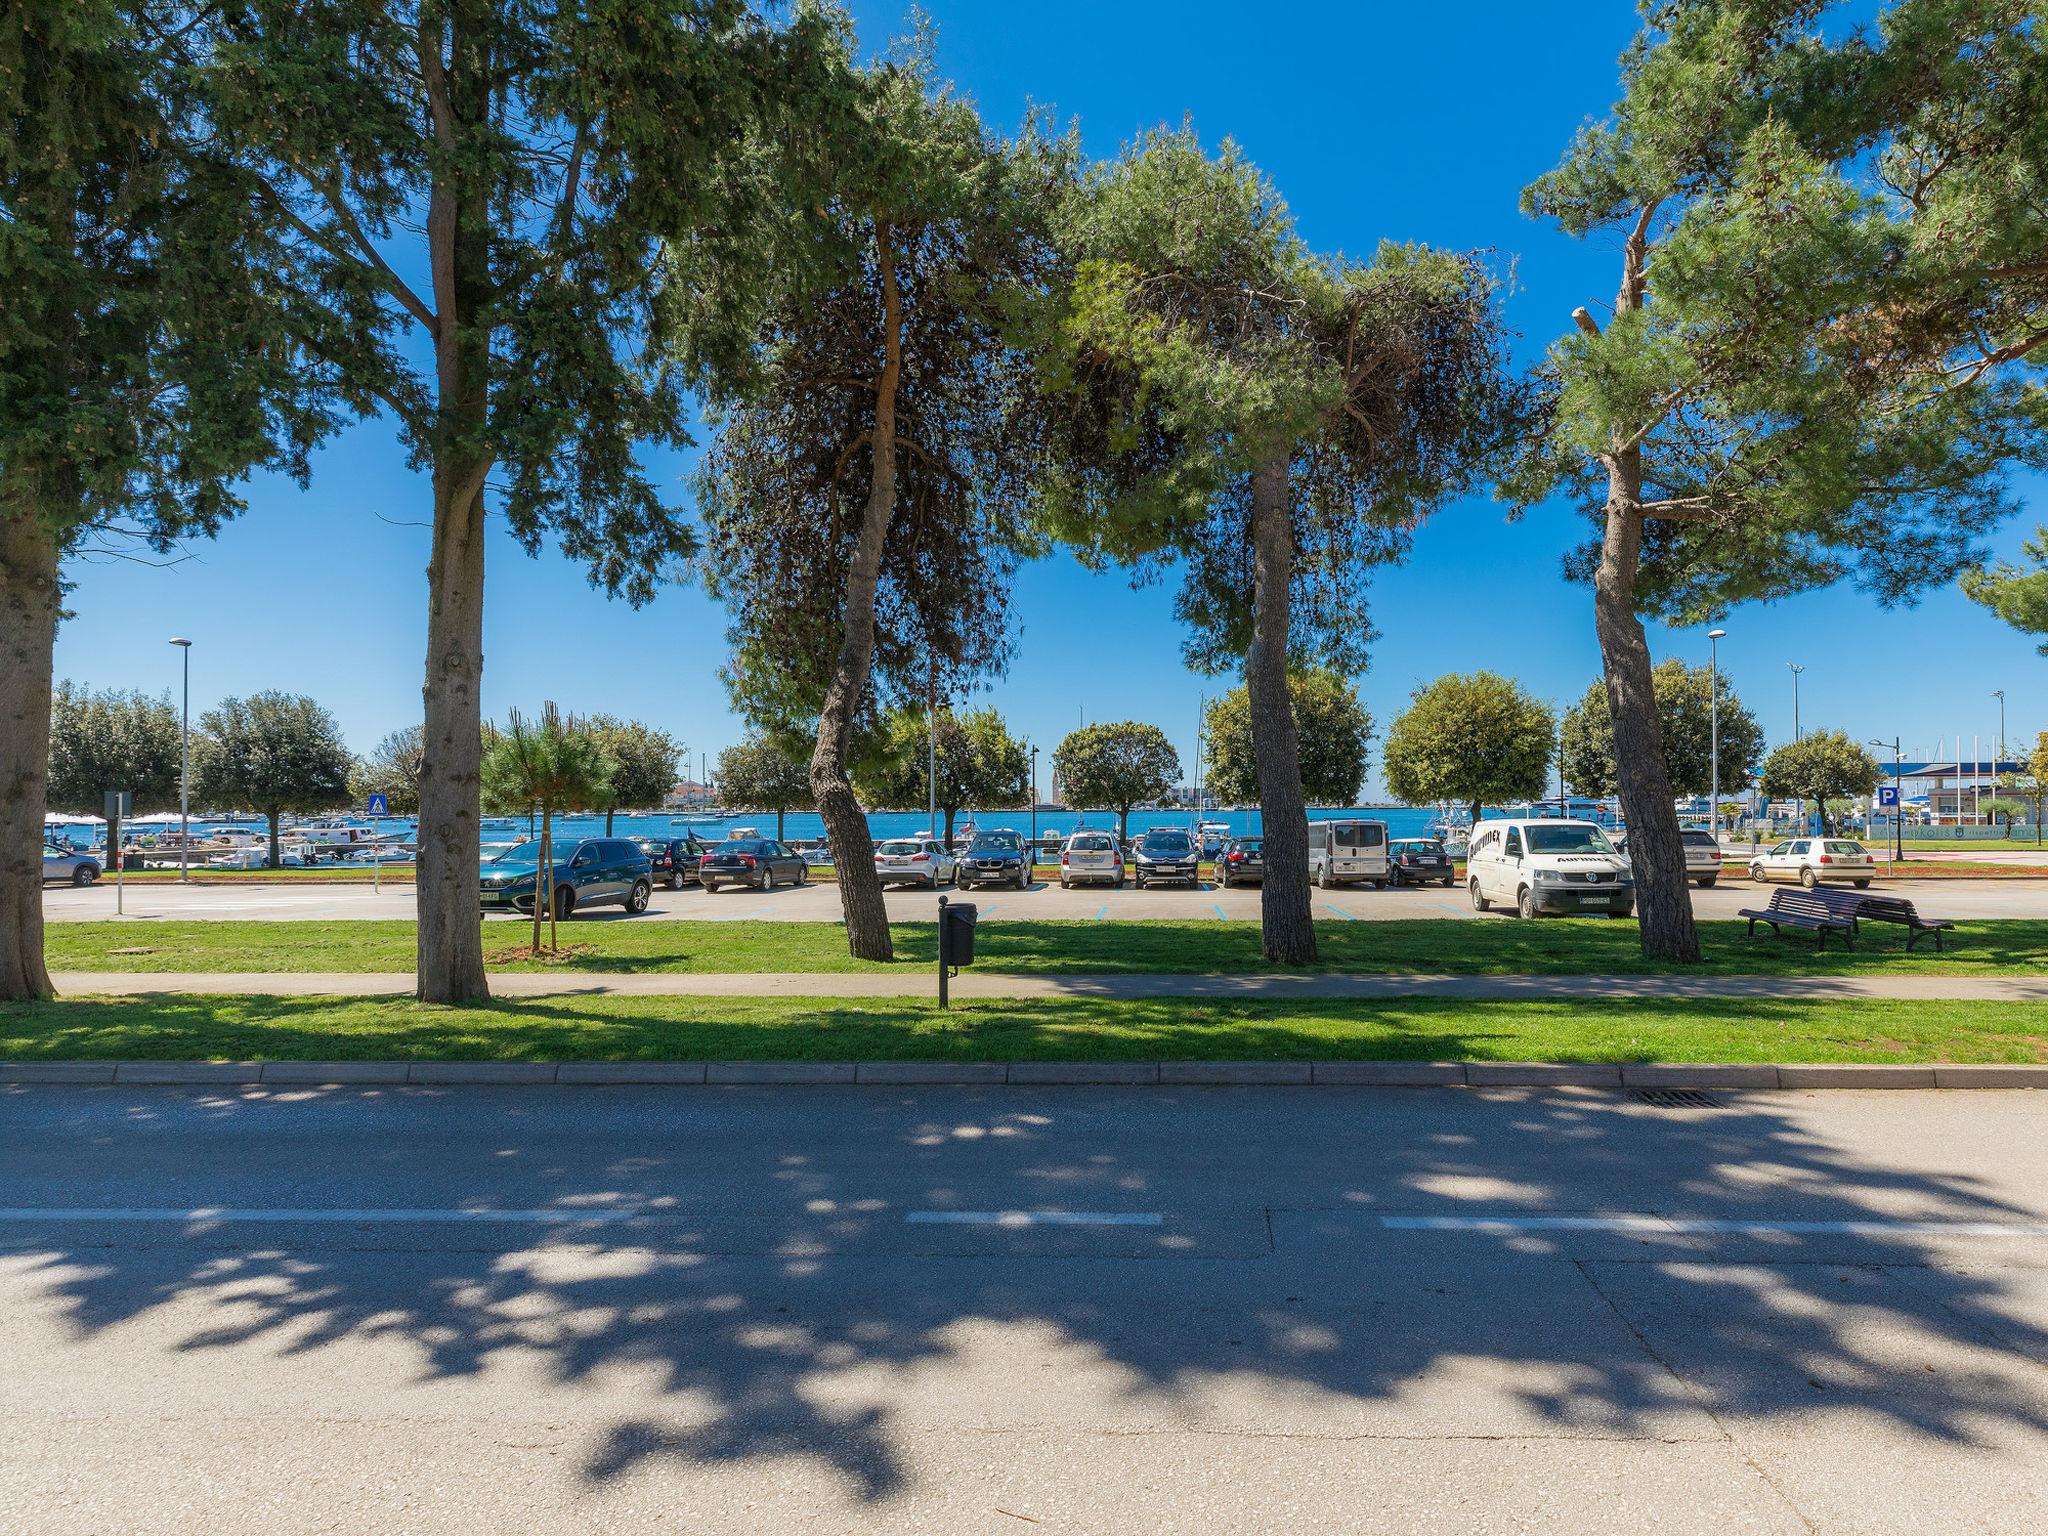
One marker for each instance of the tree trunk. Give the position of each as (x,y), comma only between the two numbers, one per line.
(451,952)
(1287,930)
(778,824)
(276,861)
(951,812)
(608,821)
(853,849)
(1123,826)
(1656,851)
(1476,808)
(28,643)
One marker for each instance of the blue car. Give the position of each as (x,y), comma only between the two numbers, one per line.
(995,857)
(588,873)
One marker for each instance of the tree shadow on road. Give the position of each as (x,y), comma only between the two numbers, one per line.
(769,1300)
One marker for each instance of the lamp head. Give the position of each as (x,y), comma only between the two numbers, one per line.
(1717,634)
(181,641)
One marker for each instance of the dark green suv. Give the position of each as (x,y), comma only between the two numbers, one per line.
(587,874)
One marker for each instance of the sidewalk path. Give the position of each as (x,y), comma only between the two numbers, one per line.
(922,983)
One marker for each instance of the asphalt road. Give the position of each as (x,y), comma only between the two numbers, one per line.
(1005,1310)
(820,902)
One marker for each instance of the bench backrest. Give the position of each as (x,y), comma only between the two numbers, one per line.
(1894,906)
(1815,903)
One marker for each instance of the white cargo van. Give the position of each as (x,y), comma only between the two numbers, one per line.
(1545,864)
(1348,853)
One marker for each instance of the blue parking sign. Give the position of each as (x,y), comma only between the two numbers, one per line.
(1887,795)
(379,806)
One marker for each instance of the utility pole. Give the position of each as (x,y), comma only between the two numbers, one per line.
(1714,638)
(1031,854)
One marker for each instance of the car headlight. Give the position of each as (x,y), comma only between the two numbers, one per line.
(1549,877)
(1624,878)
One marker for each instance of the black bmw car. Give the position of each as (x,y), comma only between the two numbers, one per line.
(1241,861)
(1418,861)
(760,862)
(994,857)
(674,859)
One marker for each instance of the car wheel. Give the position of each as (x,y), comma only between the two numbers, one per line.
(1449,881)
(1223,882)
(1479,902)
(675,882)
(1808,878)
(767,878)
(565,903)
(1756,873)
(637,898)
(1861,885)
(85,874)
(1708,883)
(1065,884)
(1525,903)
(1322,877)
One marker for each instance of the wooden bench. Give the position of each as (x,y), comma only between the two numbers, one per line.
(1820,911)
(1897,909)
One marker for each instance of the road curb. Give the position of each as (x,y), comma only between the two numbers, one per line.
(1731,1076)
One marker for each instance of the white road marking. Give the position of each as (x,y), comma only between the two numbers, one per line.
(1033,1218)
(364,1214)
(1713,1225)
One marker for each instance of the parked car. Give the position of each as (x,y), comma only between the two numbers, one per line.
(759,862)
(915,861)
(1702,855)
(1348,853)
(70,865)
(996,856)
(1418,861)
(1089,856)
(587,873)
(1810,860)
(675,859)
(1165,857)
(1241,861)
(1548,865)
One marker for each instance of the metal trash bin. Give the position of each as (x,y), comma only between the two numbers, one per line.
(956,933)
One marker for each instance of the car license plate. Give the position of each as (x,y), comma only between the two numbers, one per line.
(1593,901)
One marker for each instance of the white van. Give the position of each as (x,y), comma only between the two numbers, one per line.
(1545,864)
(1348,853)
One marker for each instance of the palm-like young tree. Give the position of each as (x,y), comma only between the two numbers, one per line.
(552,765)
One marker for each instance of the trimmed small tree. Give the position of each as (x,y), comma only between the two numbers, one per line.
(1115,766)
(1471,739)
(1822,766)
(980,763)
(766,772)
(552,765)
(112,740)
(1685,716)
(643,763)
(273,753)
(1333,728)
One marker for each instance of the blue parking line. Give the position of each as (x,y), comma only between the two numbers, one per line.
(1099,916)
(991,907)
(1340,912)
(1221,913)
(1445,906)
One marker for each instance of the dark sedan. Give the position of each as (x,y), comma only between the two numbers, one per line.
(1419,860)
(1241,861)
(675,859)
(760,862)
(1161,857)
(995,857)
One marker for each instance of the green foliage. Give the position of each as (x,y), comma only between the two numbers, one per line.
(271,752)
(764,773)
(554,764)
(2017,594)
(392,770)
(1821,766)
(1335,732)
(1685,715)
(1999,808)
(907,170)
(1470,738)
(643,760)
(1115,765)
(1796,378)
(112,740)
(979,762)
(1199,336)
(151,358)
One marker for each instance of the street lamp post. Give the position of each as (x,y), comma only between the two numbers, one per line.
(1797,668)
(1897,744)
(1031,854)
(184,766)
(1714,638)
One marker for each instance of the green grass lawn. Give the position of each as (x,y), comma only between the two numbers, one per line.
(677,1029)
(1209,947)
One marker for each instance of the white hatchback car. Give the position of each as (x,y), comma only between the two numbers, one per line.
(1091,856)
(914,861)
(1810,860)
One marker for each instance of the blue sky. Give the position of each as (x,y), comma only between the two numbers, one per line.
(1408,122)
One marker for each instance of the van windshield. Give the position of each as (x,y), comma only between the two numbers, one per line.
(1568,838)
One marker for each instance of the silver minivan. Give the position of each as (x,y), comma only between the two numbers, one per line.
(1348,853)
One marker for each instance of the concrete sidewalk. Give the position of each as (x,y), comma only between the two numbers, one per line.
(922,983)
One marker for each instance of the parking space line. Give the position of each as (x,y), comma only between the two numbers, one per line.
(1340,912)
(1221,913)
(1717,1225)
(1033,1218)
(365,1215)
(1102,912)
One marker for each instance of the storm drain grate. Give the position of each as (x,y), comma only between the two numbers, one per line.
(1678,1098)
